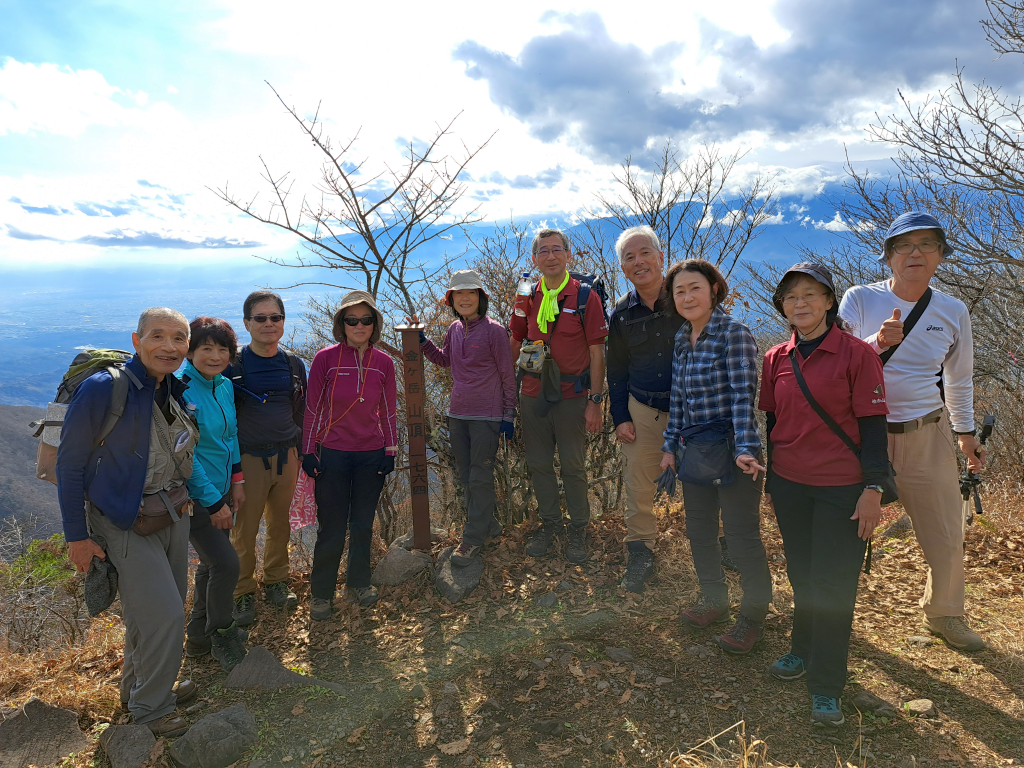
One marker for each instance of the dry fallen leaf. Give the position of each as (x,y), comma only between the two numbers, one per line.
(454,747)
(626,695)
(354,737)
(500,613)
(575,670)
(298,709)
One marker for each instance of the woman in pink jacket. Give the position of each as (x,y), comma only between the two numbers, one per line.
(482,407)
(349,442)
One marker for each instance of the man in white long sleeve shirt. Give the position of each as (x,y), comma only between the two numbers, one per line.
(929,375)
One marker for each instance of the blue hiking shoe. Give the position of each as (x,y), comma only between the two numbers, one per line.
(826,711)
(788,667)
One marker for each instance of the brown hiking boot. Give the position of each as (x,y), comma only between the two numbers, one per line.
(741,636)
(167,726)
(954,630)
(704,612)
(465,554)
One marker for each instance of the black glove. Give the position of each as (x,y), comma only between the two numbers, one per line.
(311,465)
(423,337)
(508,429)
(387,465)
(666,482)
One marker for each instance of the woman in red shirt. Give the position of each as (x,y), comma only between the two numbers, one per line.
(826,498)
(349,442)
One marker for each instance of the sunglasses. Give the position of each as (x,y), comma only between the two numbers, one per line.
(354,321)
(263,318)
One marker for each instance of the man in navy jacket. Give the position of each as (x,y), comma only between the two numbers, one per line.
(101,487)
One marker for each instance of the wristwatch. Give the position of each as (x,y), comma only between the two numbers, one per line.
(597,397)
(875,487)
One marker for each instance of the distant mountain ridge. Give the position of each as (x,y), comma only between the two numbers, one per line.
(22,495)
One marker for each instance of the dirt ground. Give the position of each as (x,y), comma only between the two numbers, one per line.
(608,678)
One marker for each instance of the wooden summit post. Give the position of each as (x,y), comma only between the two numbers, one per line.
(412,367)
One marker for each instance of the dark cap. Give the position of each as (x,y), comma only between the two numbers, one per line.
(911,222)
(816,271)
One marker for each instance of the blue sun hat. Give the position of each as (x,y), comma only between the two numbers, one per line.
(911,222)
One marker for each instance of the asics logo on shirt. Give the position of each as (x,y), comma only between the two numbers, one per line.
(935,328)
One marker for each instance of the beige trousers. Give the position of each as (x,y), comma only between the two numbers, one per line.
(643,465)
(266,493)
(927,480)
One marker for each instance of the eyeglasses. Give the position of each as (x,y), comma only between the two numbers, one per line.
(806,298)
(928,247)
(352,322)
(263,318)
(556,251)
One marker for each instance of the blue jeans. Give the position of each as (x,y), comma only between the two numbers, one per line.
(347,491)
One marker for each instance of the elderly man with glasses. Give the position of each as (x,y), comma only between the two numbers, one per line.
(270,398)
(928,374)
(563,323)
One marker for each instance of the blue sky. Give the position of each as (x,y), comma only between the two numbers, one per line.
(115,117)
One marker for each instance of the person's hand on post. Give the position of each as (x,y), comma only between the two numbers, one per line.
(891,332)
(594,417)
(974,451)
(237,496)
(222,518)
(868,513)
(626,432)
(750,465)
(311,465)
(668,460)
(82,552)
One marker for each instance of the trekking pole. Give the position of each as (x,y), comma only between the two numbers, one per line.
(970,481)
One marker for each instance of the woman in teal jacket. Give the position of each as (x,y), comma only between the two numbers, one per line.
(216,489)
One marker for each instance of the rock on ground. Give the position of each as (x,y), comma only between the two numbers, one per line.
(405,540)
(620,655)
(218,740)
(921,707)
(453,583)
(261,669)
(902,527)
(399,565)
(39,734)
(548,600)
(127,746)
(866,701)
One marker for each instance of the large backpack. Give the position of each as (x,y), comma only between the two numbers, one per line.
(86,363)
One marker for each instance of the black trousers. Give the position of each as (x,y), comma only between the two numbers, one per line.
(739,507)
(347,491)
(216,576)
(475,444)
(824,556)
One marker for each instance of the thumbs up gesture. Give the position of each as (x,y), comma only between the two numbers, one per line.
(891,332)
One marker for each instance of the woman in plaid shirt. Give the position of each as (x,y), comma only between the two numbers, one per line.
(711,413)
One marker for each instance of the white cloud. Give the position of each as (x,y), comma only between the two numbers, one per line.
(47,98)
(835,225)
(172,90)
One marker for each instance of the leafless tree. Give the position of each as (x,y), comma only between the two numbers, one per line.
(691,205)
(1005,28)
(367,225)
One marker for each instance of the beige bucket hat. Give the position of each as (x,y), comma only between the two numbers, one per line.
(351,299)
(465,279)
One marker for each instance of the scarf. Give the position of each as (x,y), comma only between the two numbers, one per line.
(549,304)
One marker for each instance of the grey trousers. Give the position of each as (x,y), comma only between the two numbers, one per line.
(152,579)
(475,443)
(739,504)
(564,427)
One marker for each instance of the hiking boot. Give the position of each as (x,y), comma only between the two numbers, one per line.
(320,609)
(197,646)
(827,711)
(365,596)
(704,612)
(741,636)
(168,726)
(576,546)
(540,540)
(495,534)
(788,667)
(244,612)
(279,596)
(640,567)
(226,647)
(954,630)
(727,562)
(465,554)
(184,692)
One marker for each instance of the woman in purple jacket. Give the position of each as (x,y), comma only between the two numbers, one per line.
(482,407)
